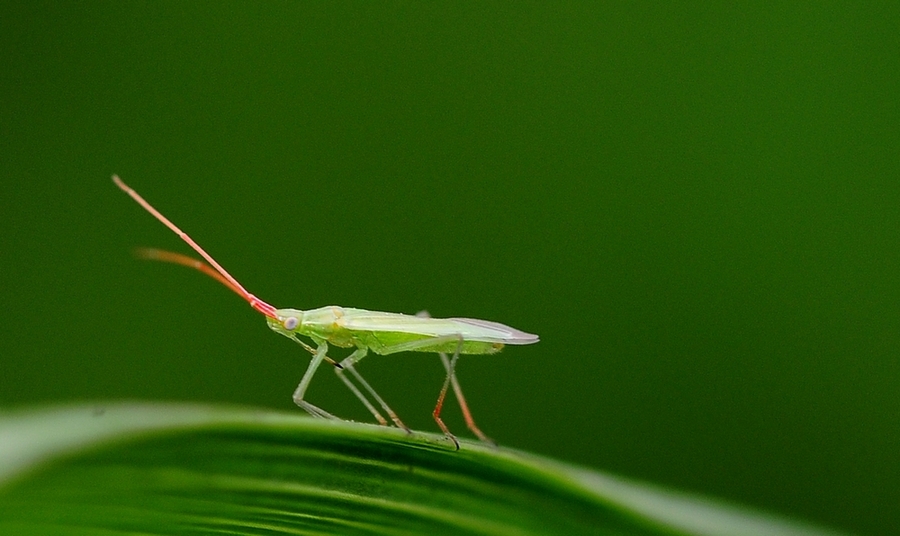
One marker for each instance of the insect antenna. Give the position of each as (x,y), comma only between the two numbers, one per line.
(153,254)
(214,269)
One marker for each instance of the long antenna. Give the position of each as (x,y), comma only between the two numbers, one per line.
(229,281)
(153,254)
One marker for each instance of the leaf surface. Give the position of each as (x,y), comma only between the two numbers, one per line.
(187,469)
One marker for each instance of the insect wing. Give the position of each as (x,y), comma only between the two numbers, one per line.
(471,329)
(507,334)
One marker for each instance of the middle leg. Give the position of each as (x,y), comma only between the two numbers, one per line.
(347,364)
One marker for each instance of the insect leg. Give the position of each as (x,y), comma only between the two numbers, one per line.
(451,373)
(355,390)
(338,369)
(347,364)
(457,389)
(467,415)
(304,384)
(424,344)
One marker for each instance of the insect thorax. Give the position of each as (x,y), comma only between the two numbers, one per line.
(322,324)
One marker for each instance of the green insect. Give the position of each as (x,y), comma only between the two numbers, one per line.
(344,327)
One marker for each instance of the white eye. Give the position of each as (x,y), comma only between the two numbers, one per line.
(290,323)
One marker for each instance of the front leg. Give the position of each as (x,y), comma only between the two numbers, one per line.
(300,391)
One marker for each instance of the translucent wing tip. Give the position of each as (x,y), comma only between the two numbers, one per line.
(507,334)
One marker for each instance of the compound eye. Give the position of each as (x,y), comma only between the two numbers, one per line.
(290,323)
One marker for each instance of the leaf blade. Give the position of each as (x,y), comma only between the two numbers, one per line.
(185,469)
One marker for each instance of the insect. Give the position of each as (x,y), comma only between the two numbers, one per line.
(365,331)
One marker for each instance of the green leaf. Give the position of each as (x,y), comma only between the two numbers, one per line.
(187,469)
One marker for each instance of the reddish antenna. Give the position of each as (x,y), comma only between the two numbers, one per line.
(214,269)
(153,254)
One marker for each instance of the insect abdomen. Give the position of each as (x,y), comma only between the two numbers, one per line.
(382,342)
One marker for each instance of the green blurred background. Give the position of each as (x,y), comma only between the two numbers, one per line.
(697,208)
